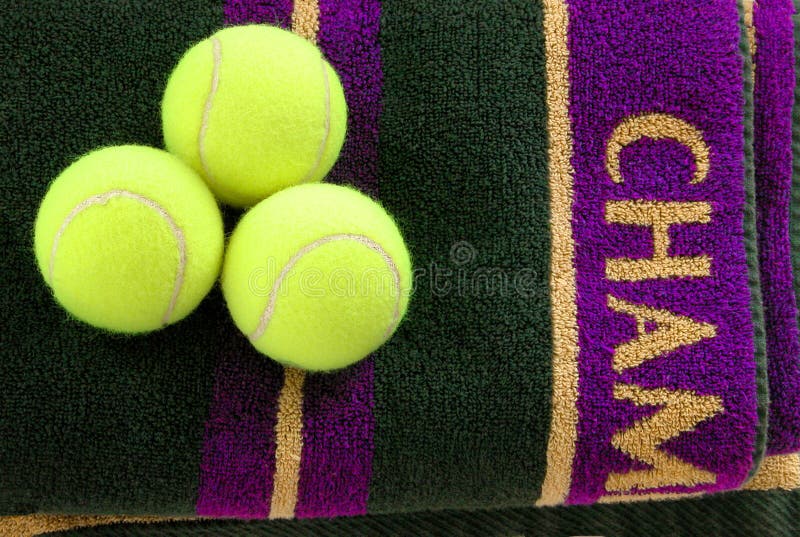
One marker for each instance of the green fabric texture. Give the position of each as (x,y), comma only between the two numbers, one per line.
(772,514)
(751,248)
(91,422)
(463,393)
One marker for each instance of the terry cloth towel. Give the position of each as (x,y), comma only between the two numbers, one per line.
(772,44)
(584,187)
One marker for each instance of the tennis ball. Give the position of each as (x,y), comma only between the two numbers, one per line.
(129,238)
(317,276)
(254,109)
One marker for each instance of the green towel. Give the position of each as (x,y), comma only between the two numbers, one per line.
(575,183)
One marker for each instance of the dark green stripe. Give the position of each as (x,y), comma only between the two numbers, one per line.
(462,392)
(743,514)
(91,422)
(751,251)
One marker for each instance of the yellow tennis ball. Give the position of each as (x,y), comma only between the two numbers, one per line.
(129,238)
(317,276)
(254,109)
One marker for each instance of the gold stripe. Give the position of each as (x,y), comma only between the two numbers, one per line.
(289,448)
(777,472)
(289,428)
(651,496)
(564,420)
(749,25)
(305,19)
(33,525)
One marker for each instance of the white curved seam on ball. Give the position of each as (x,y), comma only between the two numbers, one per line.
(266,315)
(327,131)
(216,48)
(102,199)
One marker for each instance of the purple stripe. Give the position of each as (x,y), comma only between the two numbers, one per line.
(337,443)
(239,444)
(338,408)
(238,461)
(774,97)
(626,59)
(348,35)
(338,423)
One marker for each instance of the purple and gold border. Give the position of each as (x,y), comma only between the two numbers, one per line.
(658,397)
(281,443)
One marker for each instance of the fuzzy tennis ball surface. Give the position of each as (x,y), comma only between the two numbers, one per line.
(129,238)
(317,276)
(254,109)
